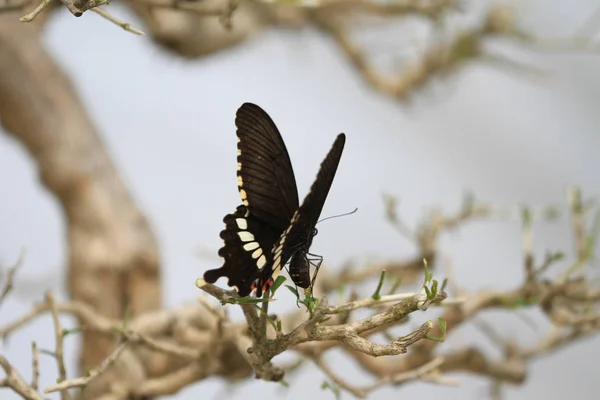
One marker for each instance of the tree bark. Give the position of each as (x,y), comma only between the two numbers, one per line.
(113,260)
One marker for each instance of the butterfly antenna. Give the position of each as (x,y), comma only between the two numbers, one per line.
(338,215)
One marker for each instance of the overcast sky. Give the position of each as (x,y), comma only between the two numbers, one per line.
(169,126)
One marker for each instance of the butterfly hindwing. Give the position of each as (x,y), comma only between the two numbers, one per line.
(265,175)
(246,252)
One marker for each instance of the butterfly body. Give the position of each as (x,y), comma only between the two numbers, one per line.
(270,228)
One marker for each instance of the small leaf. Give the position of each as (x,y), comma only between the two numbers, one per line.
(126,316)
(427,291)
(284,383)
(434,289)
(66,332)
(278,282)
(526,218)
(444,284)
(428,275)
(341,290)
(293,290)
(246,300)
(395,285)
(442,323)
(376,295)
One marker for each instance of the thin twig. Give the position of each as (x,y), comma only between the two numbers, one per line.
(370,302)
(126,26)
(10,277)
(31,16)
(15,382)
(93,374)
(35,356)
(59,335)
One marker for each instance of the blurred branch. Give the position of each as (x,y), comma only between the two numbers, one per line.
(207,343)
(10,277)
(112,258)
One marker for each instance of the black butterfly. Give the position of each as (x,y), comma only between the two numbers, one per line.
(270,228)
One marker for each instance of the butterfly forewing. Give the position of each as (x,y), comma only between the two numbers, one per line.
(295,242)
(265,176)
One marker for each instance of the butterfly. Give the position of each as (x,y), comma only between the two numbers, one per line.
(270,227)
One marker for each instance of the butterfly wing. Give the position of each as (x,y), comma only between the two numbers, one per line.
(296,240)
(266,179)
(268,190)
(248,261)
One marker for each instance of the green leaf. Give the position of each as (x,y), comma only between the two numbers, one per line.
(66,332)
(246,300)
(428,275)
(126,316)
(395,285)
(334,389)
(526,218)
(309,301)
(442,323)
(277,284)
(269,319)
(434,289)
(444,284)
(284,383)
(376,295)
(427,291)
(293,290)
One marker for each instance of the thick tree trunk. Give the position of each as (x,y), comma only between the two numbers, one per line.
(113,261)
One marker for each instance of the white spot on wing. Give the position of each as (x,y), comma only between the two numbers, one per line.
(251,246)
(240,181)
(241,223)
(257,253)
(261,262)
(246,236)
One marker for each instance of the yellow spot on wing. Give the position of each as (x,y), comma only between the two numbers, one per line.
(246,236)
(257,253)
(251,246)
(261,262)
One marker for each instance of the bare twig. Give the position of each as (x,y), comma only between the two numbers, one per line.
(84,381)
(35,359)
(15,382)
(31,16)
(59,335)
(10,277)
(126,26)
